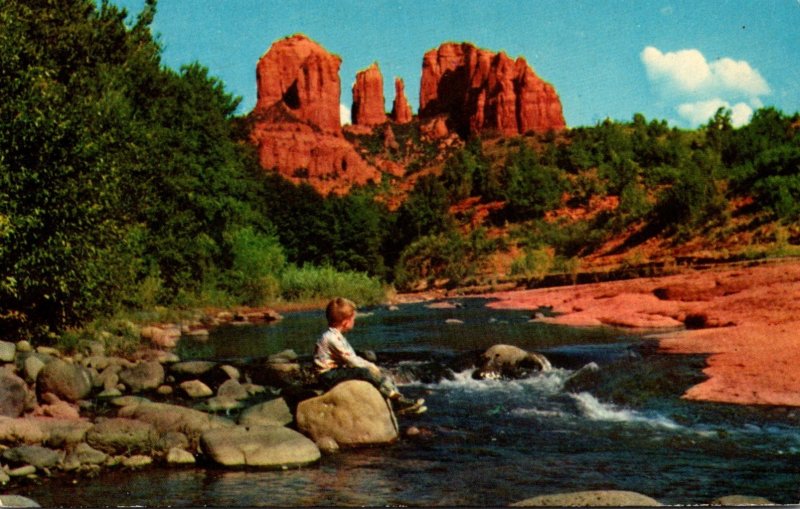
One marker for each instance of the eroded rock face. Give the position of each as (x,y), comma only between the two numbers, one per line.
(295,124)
(477,90)
(368,102)
(302,75)
(401,110)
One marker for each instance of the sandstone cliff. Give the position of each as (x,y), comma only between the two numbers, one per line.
(368,103)
(401,110)
(476,90)
(295,124)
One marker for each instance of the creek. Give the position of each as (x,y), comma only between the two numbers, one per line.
(492,442)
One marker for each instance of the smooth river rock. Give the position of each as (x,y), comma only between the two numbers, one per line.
(259,446)
(121,435)
(353,413)
(143,376)
(167,417)
(17,501)
(43,430)
(599,498)
(269,413)
(13,394)
(36,455)
(70,382)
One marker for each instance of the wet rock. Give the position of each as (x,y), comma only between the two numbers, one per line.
(8,351)
(741,500)
(57,408)
(17,501)
(13,394)
(591,499)
(167,417)
(43,430)
(178,456)
(69,382)
(23,471)
(137,461)
(124,401)
(327,445)
(165,337)
(143,376)
(232,389)
(24,346)
(172,440)
(32,366)
(508,361)
(259,446)
(36,455)
(4,478)
(85,454)
(196,389)
(231,371)
(353,413)
(270,413)
(284,356)
(165,390)
(118,435)
(194,368)
(221,404)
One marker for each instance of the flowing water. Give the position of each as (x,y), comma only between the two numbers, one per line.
(493,442)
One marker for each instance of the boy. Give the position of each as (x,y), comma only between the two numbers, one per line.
(336,361)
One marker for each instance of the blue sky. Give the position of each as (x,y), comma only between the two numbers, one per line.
(667,59)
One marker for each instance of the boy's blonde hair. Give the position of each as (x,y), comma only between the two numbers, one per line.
(339,310)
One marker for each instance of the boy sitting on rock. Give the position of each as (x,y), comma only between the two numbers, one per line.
(336,361)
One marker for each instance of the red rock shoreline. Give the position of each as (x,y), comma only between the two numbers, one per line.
(746,319)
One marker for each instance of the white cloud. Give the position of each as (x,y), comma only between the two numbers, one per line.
(700,112)
(345,116)
(701,87)
(687,73)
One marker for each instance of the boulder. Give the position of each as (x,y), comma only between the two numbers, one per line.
(172,440)
(509,361)
(601,498)
(259,446)
(13,394)
(353,413)
(69,382)
(164,337)
(196,389)
(43,430)
(167,417)
(119,435)
(231,389)
(368,103)
(8,351)
(32,366)
(477,90)
(178,456)
(85,454)
(137,461)
(192,368)
(401,110)
(143,376)
(36,455)
(741,500)
(17,501)
(269,413)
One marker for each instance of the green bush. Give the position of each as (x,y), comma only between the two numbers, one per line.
(322,283)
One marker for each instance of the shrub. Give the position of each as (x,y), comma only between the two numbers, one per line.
(322,283)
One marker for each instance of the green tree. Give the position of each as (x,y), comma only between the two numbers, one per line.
(529,188)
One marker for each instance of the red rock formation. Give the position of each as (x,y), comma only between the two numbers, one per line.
(295,124)
(401,110)
(368,103)
(300,74)
(477,90)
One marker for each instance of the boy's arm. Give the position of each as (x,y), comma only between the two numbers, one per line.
(345,353)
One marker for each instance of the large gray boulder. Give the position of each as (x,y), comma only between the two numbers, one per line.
(167,417)
(13,394)
(70,382)
(259,446)
(121,435)
(507,361)
(353,413)
(269,413)
(600,498)
(36,455)
(43,430)
(143,376)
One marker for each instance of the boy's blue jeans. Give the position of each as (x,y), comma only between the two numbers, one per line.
(332,377)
